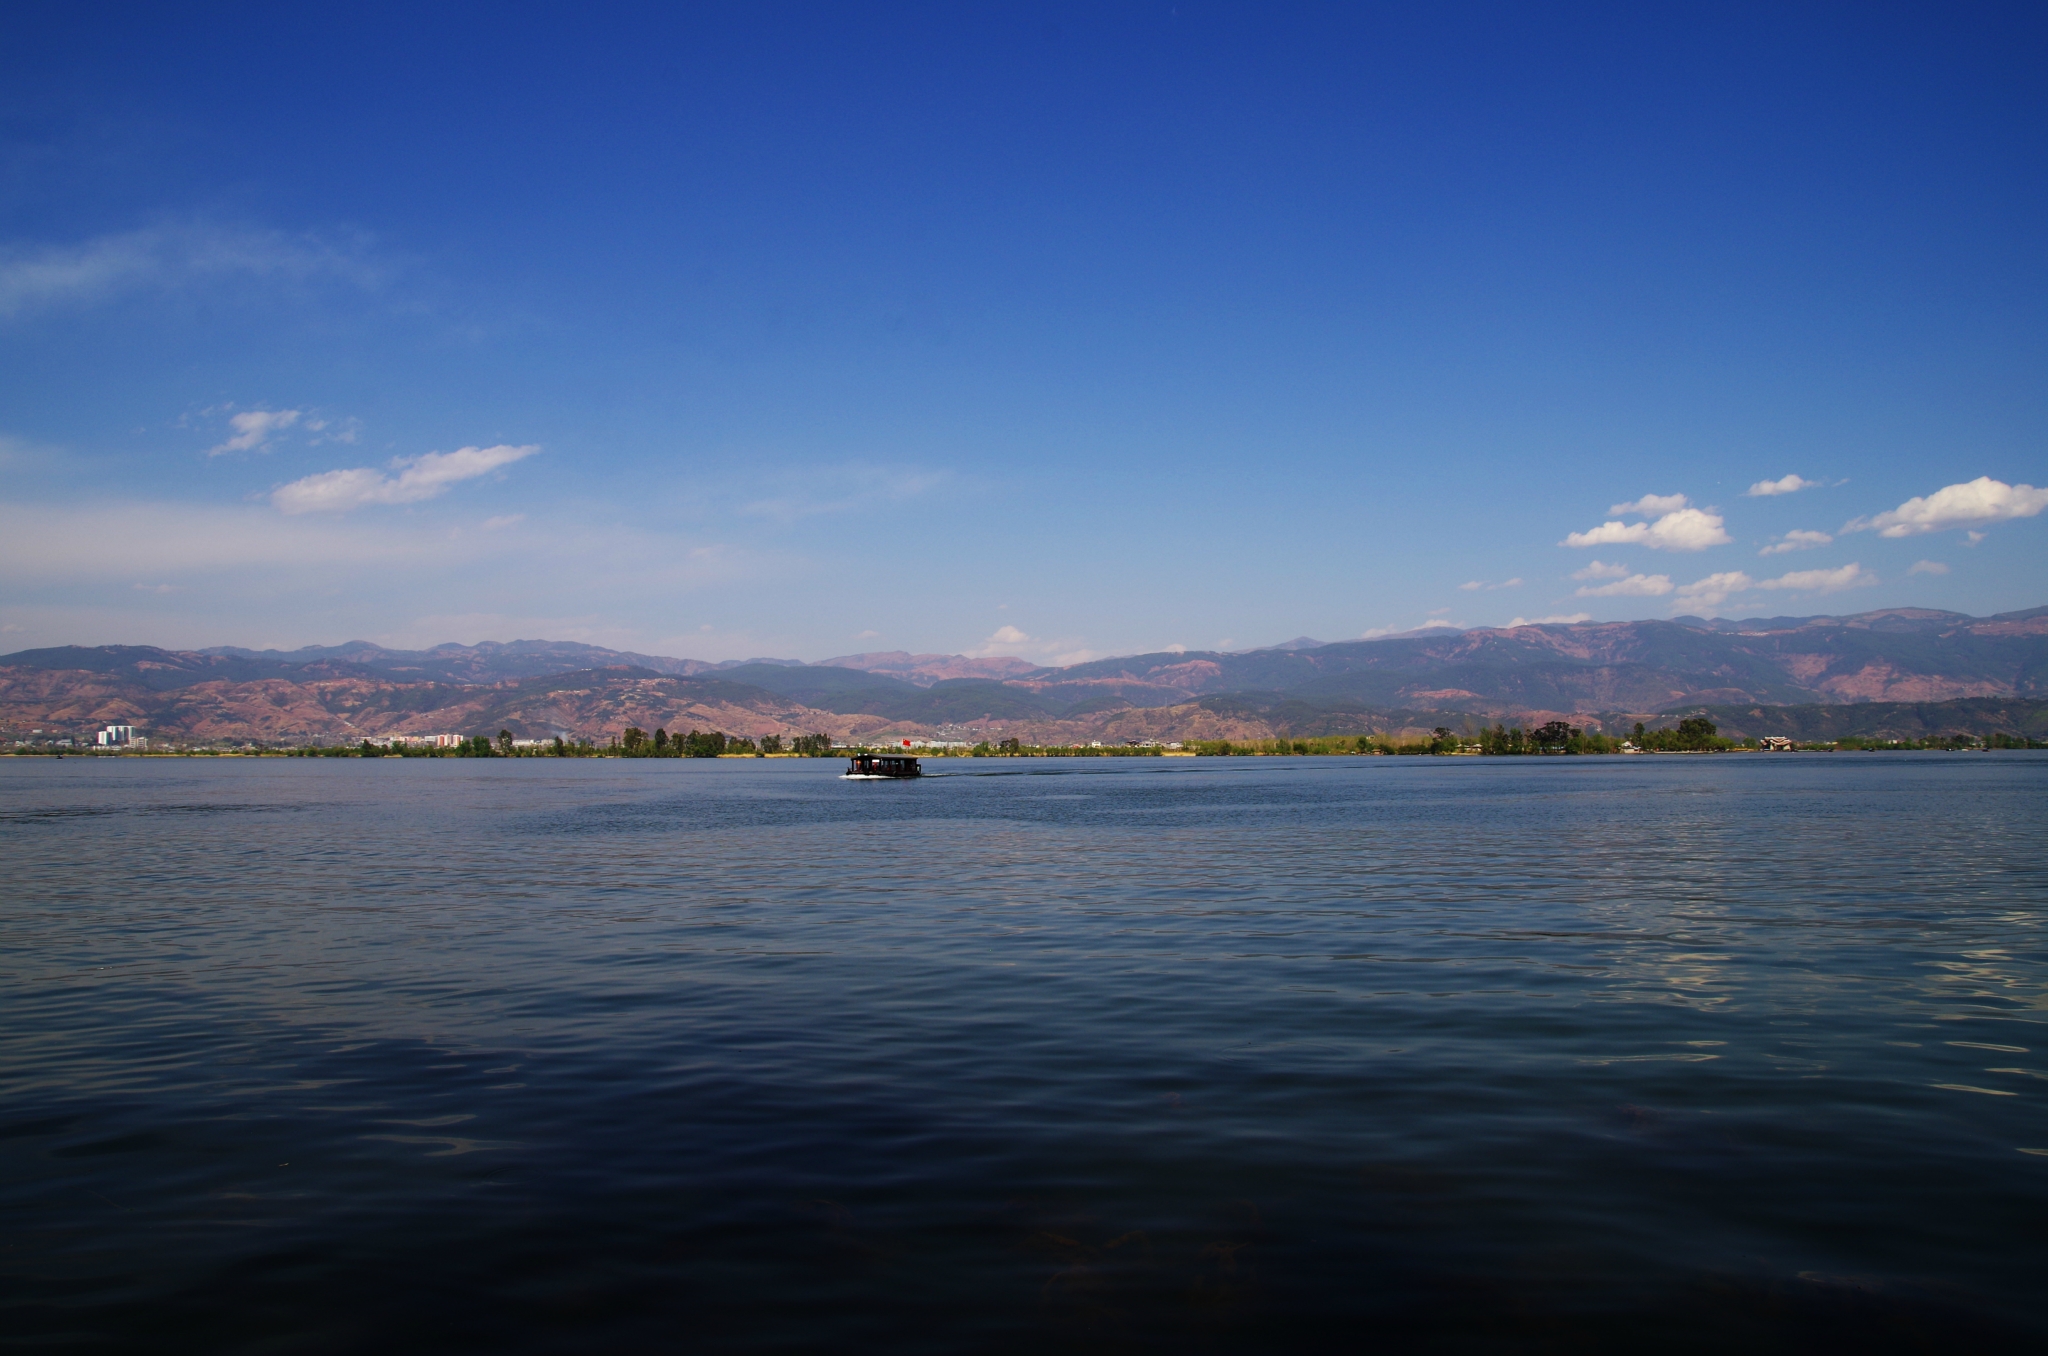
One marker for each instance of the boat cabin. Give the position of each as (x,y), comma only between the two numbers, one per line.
(870,765)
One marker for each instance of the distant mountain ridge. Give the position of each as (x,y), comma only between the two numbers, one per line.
(932,667)
(1588,672)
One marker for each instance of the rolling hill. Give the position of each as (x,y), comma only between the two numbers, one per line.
(1592,673)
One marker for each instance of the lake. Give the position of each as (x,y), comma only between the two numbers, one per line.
(1093,1054)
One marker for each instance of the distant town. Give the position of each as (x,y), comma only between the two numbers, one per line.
(1690,735)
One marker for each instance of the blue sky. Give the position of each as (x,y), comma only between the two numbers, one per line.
(1054,331)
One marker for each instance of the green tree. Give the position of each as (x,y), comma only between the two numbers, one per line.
(633,741)
(1695,734)
(505,743)
(660,741)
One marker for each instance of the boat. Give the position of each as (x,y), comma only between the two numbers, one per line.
(874,767)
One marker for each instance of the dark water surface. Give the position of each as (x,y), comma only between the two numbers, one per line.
(1218,1054)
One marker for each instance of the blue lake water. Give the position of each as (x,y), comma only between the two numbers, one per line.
(1216,1054)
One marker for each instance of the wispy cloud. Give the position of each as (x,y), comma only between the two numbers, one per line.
(1677,526)
(333,430)
(842,489)
(1477,585)
(166,257)
(1716,589)
(1629,586)
(1782,485)
(1928,567)
(1797,539)
(418,478)
(254,430)
(248,550)
(1969,504)
(1650,505)
(1851,576)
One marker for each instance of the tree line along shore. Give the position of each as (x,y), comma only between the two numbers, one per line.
(1556,738)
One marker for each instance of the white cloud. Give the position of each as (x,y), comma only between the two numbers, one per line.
(1477,584)
(1652,504)
(1596,570)
(1629,586)
(253,430)
(1798,539)
(1472,584)
(418,478)
(503,520)
(1715,589)
(1686,529)
(1009,640)
(167,257)
(1928,567)
(1435,622)
(1571,619)
(1982,500)
(1782,485)
(1850,576)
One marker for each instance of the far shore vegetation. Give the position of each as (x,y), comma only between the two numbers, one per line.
(1693,734)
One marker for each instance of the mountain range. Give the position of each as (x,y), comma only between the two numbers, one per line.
(1590,673)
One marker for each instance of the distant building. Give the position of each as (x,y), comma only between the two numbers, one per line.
(1775,744)
(116,737)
